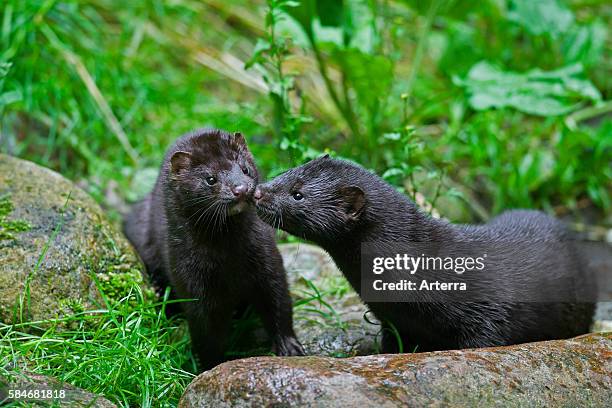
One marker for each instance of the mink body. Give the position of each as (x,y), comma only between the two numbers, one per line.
(198,233)
(340,205)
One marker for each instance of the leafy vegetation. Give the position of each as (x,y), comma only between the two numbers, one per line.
(486,94)
(476,106)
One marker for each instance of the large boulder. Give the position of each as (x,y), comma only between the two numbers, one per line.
(567,373)
(55,243)
(329,317)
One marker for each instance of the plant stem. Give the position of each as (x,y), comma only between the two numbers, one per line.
(587,113)
(346,110)
(420,50)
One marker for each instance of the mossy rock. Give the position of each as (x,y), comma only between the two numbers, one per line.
(55,243)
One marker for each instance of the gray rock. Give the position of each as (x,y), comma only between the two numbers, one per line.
(567,373)
(54,242)
(46,390)
(329,315)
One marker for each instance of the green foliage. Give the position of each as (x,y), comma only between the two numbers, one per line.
(537,92)
(97,90)
(269,55)
(542,74)
(541,17)
(534,170)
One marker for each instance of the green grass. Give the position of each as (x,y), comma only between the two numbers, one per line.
(128,351)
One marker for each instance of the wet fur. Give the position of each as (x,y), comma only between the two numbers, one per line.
(345,205)
(187,240)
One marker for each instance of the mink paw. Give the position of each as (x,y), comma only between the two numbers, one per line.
(288,346)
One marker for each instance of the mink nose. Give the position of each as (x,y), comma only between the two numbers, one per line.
(239,190)
(257,194)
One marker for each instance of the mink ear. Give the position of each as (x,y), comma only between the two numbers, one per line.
(180,161)
(353,198)
(325,156)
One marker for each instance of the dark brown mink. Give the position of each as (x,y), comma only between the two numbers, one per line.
(340,205)
(198,233)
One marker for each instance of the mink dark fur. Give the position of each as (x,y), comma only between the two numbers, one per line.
(197,232)
(339,205)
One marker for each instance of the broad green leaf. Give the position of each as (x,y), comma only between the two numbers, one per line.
(541,16)
(544,93)
(349,24)
(359,26)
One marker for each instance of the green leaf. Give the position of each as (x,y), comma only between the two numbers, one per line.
(289,27)
(359,26)
(584,44)
(260,47)
(541,16)
(537,92)
(392,136)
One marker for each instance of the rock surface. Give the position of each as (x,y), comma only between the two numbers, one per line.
(72,396)
(54,239)
(328,316)
(568,373)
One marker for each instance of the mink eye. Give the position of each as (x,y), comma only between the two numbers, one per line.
(245,170)
(297,196)
(211,180)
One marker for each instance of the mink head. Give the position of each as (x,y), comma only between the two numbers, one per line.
(318,201)
(212,175)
